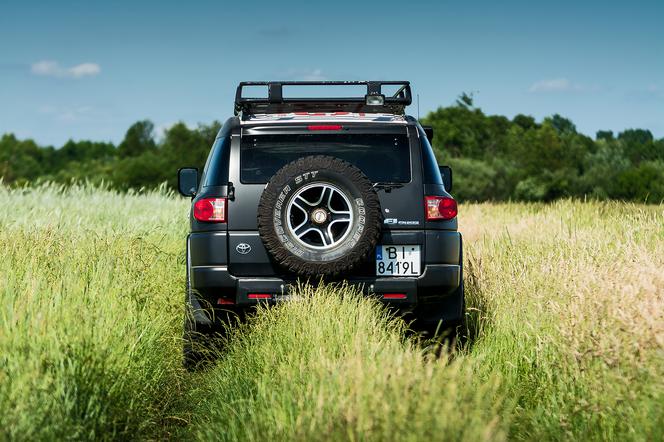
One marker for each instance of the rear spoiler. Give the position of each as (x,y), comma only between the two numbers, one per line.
(273,101)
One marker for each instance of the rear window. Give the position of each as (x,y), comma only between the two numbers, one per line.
(384,158)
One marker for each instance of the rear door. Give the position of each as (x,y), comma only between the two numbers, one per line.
(387,153)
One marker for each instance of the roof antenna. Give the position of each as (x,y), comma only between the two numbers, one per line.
(418,107)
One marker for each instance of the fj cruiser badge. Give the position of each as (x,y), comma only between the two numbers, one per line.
(400,222)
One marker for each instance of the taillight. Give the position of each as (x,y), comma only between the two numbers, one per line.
(440,207)
(325,127)
(211,210)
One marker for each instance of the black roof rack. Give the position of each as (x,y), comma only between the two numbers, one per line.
(374,101)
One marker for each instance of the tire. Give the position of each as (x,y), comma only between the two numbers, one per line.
(450,329)
(197,346)
(319,216)
(203,341)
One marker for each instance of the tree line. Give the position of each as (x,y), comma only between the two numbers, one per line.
(493,157)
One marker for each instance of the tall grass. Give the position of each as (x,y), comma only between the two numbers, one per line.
(331,366)
(564,337)
(90,287)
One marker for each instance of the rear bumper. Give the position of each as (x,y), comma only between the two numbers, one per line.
(216,286)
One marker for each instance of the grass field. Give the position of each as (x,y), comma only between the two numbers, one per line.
(564,334)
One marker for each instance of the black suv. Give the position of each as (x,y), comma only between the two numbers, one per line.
(341,188)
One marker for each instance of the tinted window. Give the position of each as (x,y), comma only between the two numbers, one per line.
(382,157)
(429,163)
(216,169)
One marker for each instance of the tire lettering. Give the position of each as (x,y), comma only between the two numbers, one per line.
(305,176)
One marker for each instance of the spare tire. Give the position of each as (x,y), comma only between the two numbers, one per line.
(319,215)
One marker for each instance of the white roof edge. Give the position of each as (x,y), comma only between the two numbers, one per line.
(337,117)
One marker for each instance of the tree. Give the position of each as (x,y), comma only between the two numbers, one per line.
(562,125)
(636,136)
(524,121)
(138,140)
(465,100)
(604,135)
(20,161)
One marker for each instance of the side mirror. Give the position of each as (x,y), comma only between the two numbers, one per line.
(428,130)
(446,173)
(188,181)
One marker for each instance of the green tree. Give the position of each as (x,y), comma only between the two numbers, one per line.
(606,135)
(138,140)
(561,125)
(20,161)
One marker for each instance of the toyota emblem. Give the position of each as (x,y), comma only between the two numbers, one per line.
(243,248)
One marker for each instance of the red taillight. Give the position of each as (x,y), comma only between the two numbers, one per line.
(259,296)
(394,296)
(225,301)
(325,127)
(440,207)
(211,210)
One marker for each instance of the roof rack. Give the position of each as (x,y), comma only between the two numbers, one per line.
(374,101)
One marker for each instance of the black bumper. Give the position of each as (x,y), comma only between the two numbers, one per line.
(216,286)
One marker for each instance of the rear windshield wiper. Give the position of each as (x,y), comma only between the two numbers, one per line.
(387,187)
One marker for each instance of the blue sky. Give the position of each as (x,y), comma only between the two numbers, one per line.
(89,69)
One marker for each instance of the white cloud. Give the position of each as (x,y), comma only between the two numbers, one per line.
(84,69)
(305,75)
(314,75)
(554,85)
(45,68)
(67,114)
(51,68)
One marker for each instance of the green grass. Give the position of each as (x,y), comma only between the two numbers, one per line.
(564,334)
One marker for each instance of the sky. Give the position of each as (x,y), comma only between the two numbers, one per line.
(89,69)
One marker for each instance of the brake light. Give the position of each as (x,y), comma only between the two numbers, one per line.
(259,296)
(211,210)
(440,208)
(325,127)
(394,296)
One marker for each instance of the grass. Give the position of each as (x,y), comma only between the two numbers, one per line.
(564,333)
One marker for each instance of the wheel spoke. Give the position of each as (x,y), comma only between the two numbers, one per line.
(346,209)
(306,221)
(324,195)
(329,200)
(300,199)
(340,216)
(303,229)
(327,236)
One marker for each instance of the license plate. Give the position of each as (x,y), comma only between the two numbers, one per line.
(401,260)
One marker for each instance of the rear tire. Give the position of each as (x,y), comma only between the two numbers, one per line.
(446,330)
(204,340)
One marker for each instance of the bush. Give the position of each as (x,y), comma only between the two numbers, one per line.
(643,183)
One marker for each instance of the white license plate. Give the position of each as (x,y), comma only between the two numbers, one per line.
(401,260)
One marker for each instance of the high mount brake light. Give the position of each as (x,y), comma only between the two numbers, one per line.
(325,127)
(210,210)
(440,208)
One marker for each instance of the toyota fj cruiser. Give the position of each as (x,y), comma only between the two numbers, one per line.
(339,188)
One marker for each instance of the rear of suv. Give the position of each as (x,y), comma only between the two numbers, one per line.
(308,188)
